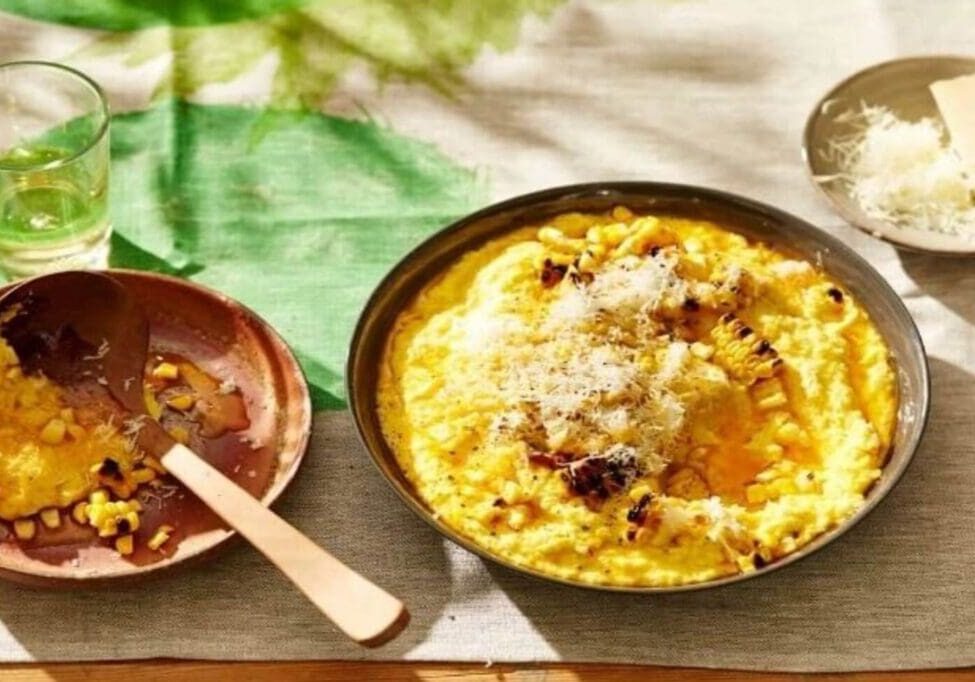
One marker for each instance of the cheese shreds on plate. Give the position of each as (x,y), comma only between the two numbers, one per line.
(904,172)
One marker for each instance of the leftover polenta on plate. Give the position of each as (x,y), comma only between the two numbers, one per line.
(637,400)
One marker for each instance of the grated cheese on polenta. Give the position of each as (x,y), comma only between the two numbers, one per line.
(637,400)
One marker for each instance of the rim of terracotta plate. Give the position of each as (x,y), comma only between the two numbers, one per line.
(296,426)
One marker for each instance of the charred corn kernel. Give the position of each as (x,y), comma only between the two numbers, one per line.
(785,486)
(179,434)
(607,236)
(646,233)
(741,352)
(693,266)
(76,431)
(165,370)
(638,491)
(110,518)
(755,494)
(773,401)
(517,518)
(788,433)
(154,464)
(124,545)
(767,388)
(557,241)
(688,484)
(53,432)
(143,475)
(598,250)
(153,408)
(96,514)
(8,356)
(51,518)
(159,538)
(572,224)
(510,492)
(25,529)
(587,262)
(622,214)
(122,489)
(550,236)
(181,402)
(560,259)
(133,518)
(80,513)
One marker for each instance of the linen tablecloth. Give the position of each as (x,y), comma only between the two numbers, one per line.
(289,152)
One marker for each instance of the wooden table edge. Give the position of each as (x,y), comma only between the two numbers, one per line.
(170,670)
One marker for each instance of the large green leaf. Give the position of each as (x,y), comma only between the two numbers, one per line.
(317,43)
(126,15)
(297,215)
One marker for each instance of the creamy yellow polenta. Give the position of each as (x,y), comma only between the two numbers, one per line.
(637,400)
(49,452)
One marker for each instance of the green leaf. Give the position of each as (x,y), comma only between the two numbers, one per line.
(127,15)
(296,214)
(317,43)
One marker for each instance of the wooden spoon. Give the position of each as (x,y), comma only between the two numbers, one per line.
(84,331)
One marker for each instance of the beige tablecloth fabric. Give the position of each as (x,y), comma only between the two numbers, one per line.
(712,93)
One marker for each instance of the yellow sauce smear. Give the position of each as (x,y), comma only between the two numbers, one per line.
(48,449)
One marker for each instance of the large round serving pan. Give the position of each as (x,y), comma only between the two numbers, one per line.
(749,218)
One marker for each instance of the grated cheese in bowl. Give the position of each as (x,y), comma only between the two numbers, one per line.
(903,173)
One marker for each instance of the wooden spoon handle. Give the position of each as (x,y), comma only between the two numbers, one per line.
(361,609)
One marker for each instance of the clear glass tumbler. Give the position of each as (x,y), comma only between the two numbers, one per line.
(54,155)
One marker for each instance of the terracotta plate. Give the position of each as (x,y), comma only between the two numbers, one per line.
(901,85)
(228,341)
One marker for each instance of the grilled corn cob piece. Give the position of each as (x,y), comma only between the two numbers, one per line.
(741,352)
(111,518)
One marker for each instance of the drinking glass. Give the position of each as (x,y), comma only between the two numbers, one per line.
(53,170)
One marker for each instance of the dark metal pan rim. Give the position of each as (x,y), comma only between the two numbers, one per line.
(427,260)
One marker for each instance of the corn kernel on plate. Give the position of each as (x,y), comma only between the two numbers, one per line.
(80,504)
(638,386)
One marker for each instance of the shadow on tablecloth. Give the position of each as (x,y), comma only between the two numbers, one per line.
(894,592)
(238,606)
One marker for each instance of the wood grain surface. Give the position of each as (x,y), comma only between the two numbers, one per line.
(191,671)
